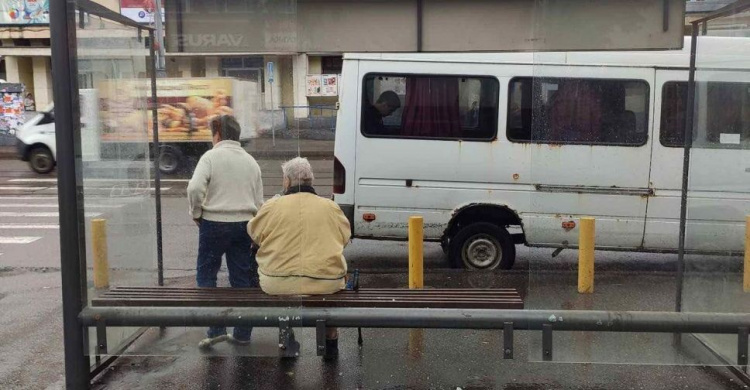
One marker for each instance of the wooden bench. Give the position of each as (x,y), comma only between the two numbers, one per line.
(499,299)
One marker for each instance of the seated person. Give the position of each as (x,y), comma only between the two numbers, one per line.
(387,103)
(301,239)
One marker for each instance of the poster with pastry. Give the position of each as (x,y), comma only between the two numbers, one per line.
(185,108)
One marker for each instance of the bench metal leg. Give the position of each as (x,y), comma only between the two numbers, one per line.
(320,336)
(742,340)
(289,347)
(508,340)
(547,342)
(101,337)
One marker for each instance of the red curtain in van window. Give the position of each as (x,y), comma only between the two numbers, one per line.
(431,108)
(575,112)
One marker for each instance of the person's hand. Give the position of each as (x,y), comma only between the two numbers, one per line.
(197,222)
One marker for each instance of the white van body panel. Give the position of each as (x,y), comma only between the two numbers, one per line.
(632,191)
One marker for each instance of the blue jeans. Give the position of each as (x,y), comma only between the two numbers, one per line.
(215,240)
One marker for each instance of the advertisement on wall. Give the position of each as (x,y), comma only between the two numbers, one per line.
(322,85)
(140,11)
(11,108)
(24,12)
(185,109)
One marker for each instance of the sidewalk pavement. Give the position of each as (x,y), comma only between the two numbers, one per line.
(284,148)
(7,152)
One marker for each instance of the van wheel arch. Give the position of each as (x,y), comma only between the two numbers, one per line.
(499,215)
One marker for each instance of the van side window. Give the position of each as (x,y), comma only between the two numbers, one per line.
(578,111)
(430,107)
(722,119)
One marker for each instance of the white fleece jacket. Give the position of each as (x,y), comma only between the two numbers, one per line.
(226,185)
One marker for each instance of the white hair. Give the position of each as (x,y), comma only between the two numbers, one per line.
(298,171)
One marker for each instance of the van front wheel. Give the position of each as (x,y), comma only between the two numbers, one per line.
(482,246)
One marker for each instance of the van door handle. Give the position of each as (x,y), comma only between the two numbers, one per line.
(409,182)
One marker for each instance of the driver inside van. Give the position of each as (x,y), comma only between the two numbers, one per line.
(387,103)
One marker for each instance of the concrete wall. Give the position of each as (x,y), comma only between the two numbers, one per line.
(42,74)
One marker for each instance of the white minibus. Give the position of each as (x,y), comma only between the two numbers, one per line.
(499,149)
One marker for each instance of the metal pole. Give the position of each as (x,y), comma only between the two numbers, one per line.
(686,168)
(350,317)
(157,172)
(273,118)
(420,20)
(70,190)
(161,59)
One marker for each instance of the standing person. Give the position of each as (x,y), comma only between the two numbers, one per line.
(28,102)
(225,193)
(301,238)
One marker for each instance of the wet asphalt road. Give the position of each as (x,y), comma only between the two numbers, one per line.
(31,326)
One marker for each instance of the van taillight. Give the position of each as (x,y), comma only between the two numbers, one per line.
(339,177)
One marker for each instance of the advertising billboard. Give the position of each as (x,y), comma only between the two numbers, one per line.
(24,12)
(141,11)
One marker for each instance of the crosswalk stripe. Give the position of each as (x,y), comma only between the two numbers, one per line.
(22,188)
(8,226)
(54,205)
(17,240)
(47,180)
(39,214)
(28,197)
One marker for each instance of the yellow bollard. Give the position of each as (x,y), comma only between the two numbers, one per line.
(416,253)
(99,249)
(746,282)
(587,234)
(416,278)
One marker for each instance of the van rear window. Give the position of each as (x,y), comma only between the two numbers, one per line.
(578,111)
(430,107)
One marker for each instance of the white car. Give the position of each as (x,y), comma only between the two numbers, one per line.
(35,142)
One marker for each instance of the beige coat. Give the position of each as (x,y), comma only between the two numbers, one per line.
(301,238)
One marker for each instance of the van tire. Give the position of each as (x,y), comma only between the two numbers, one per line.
(41,160)
(170,159)
(482,246)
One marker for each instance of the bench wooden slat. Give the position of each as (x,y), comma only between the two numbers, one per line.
(340,295)
(360,291)
(251,297)
(517,304)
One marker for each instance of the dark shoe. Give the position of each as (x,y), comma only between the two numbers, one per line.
(332,350)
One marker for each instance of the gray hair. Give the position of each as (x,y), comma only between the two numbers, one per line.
(298,171)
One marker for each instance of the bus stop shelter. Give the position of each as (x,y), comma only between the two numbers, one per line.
(87,34)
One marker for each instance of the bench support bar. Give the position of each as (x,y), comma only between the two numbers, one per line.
(508,340)
(547,342)
(320,336)
(575,320)
(742,340)
(288,345)
(101,337)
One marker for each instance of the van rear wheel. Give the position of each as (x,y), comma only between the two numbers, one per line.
(482,246)
(41,160)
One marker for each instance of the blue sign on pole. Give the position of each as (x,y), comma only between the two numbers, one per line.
(269,70)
